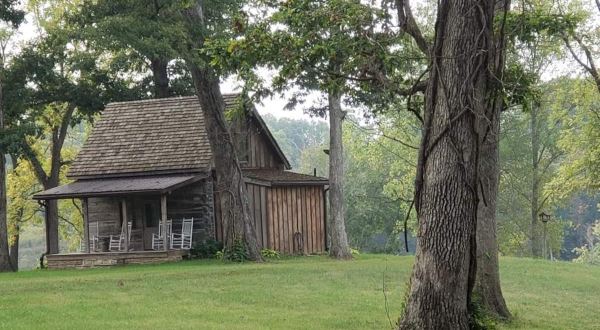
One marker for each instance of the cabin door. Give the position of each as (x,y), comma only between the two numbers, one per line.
(151,219)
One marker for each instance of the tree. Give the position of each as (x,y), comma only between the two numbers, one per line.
(55,85)
(207,21)
(328,47)
(11,15)
(580,42)
(459,112)
(139,34)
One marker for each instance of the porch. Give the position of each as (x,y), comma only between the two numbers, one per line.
(87,260)
(136,220)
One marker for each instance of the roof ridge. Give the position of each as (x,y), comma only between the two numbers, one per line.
(168,99)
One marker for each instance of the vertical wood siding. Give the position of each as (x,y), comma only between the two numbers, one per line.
(289,219)
(252,146)
(295,216)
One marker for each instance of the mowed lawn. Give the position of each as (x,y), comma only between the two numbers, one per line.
(295,293)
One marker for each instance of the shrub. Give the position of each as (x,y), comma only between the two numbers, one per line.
(270,254)
(354,252)
(237,252)
(206,249)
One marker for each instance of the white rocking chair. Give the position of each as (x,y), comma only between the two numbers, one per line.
(184,239)
(158,240)
(117,241)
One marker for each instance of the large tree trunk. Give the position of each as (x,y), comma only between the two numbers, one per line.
(160,77)
(237,221)
(534,230)
(4,253)
(5,264)
(14,250)
(238,225)
(446,198)
(339,241)
(52,239)
(487,285)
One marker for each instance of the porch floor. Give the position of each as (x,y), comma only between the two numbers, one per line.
(87,260)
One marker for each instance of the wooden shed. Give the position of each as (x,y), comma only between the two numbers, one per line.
(149,163)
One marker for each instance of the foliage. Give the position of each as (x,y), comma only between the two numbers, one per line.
(480,318)
(380,162)
(206,249)
(590,253)
(296,135)
(270,254)
(577,105)
(236,253)
(139,38)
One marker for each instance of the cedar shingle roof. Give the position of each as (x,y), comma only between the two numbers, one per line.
(147,137)
(279,177)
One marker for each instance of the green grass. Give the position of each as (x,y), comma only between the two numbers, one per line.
(297,293)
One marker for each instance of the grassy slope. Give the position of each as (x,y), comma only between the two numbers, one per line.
(312,292)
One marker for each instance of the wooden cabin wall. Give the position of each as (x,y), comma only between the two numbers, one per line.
(193,201)
(289,219)
(296,219)
(254,148)
(257,199)
(106,211)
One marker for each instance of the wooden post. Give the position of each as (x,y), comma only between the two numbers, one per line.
(163,216)
(86,225)
(125,228)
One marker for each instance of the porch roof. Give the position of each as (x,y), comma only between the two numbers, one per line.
(119,186)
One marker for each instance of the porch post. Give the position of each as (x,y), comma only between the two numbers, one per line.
(163,216)
(125,228)
(86,225)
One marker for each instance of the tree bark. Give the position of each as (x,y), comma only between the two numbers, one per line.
(237,221)
(5,264)
(446,186)
(534,230)
(339,241)
(160,77)
(487,284)
(238,225)
(14,251)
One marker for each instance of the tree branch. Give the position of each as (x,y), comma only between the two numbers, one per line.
(408,24)
(35,163)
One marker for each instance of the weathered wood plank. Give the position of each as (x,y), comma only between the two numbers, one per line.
(270,218)
(263,212)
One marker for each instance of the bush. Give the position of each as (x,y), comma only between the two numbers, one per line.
(354,252)
(206,249)
(237,252)
(270,254)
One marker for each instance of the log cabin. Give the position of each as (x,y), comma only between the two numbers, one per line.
(149,164)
